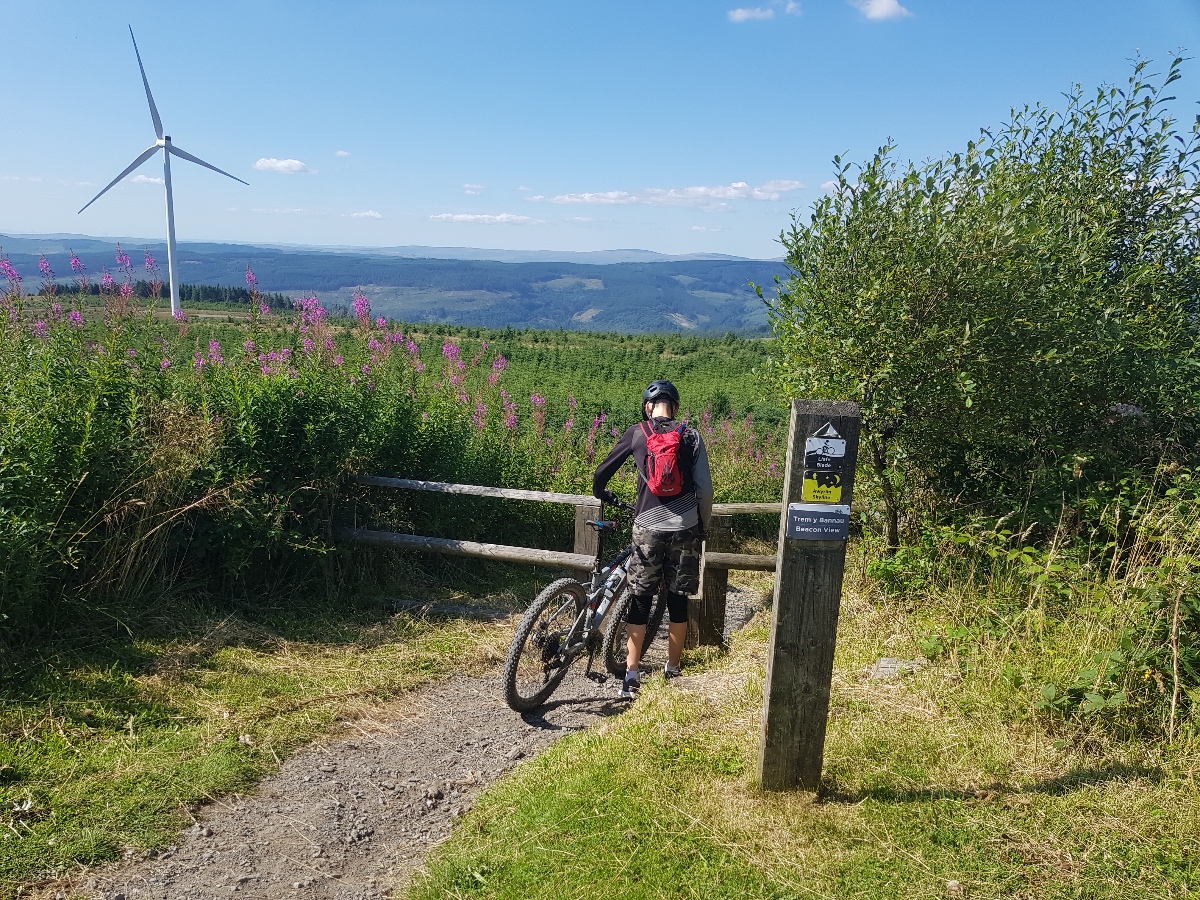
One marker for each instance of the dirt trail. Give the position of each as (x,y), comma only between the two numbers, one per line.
(354,818)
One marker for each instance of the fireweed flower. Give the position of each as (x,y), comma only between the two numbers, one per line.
(198,362)
(77,266)
(338,360)
(480,417)
(56,311)
(123,258)
(307,346)
(249,347)
(366,368)
(499,364)
(381,323)
(214,353)
(264,310)
(452,352)
(75,318)
(126,290)
(106,280)
(151,262)
(374,346)
(163,365)
(44,267)
(130,352)
(40,329)
(362,307)
(328,342)
(251,280)
(420,366)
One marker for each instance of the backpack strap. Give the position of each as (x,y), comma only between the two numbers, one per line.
(646,430)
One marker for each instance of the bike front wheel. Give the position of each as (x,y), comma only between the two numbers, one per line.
(537,659)
(615,638)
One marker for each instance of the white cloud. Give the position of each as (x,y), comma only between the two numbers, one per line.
(707,197)
(704,228)
(286,166)
(792,8)
(747,14)
(30,178)
(829,187)
(881,9)
(342,153)
(366,214)
(524,188)
(502,219)
(472,188)
(145,179)
(581,219)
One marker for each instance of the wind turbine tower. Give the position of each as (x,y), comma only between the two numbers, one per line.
(168,150)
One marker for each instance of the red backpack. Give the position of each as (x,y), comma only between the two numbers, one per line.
(662,461)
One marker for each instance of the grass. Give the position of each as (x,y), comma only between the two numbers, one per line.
(106,745)
(932,789)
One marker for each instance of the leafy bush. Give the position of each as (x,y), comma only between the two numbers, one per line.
(1018,320)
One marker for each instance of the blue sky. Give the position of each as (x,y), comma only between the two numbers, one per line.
(671,126)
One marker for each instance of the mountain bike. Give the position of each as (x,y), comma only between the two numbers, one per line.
(569,619)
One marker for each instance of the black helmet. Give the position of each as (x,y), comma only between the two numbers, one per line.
(656,392)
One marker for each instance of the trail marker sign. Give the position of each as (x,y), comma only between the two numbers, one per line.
(817,490)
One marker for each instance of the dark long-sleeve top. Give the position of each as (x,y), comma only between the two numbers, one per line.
(692,506)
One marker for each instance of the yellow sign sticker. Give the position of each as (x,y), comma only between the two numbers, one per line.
(822,487)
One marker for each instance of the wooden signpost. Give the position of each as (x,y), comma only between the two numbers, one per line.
(814,526)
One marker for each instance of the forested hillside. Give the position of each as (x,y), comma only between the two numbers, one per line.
(686,295)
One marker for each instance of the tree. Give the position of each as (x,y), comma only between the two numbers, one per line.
(1018,321)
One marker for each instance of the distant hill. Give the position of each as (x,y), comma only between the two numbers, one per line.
(619,290)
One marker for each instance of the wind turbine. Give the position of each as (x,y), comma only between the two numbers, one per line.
(168,149)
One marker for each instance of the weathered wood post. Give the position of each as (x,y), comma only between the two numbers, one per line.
(587,540)
(706,615)
(813,529)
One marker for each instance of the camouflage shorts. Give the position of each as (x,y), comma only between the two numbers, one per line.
(673,555)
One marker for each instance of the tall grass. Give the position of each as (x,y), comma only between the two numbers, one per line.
(142,459)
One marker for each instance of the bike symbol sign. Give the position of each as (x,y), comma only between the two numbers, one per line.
(824,451)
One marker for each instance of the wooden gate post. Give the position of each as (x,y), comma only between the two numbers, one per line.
(706,615)
(587,539)
(811,560)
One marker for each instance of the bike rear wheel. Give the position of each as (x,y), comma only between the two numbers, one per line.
(536,661)
(616,640)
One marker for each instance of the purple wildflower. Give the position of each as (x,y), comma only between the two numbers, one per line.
(251,280)
(249,347)
(198,362)
(40,329)
(362,307)
(77,266)
(307,346)
(163,365)
(480,417)
(338,360)
(151,262)
(126,290)
(56,311)
(130,352)
(381,323)
(499,364)
(75,318)
(106,280)
(123,259)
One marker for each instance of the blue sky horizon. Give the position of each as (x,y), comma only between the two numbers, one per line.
(673,127)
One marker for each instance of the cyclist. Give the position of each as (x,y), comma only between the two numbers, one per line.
(669,522)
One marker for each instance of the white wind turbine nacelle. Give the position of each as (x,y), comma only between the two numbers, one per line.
(169,150)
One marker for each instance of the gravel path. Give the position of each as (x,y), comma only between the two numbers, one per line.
(354,818)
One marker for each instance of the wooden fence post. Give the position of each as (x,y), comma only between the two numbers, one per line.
(706,616)
(811,560)
(587,539)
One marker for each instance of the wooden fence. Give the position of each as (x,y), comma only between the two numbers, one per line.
(706,623)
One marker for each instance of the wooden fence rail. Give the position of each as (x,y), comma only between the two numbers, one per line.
(706,621)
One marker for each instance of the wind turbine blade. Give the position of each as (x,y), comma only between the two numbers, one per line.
(149,97)
(146,154)
(198,161)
